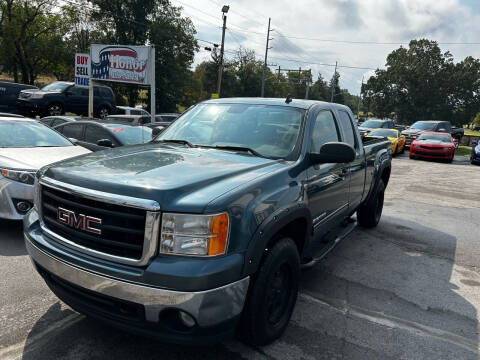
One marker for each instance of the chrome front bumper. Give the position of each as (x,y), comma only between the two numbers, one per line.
(208,307)
(9,190)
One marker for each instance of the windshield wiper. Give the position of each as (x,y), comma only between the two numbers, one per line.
(175,141)
(236,148)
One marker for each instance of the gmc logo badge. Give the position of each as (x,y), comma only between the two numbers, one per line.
(82,222)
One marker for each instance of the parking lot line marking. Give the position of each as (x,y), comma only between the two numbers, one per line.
(395,322)
(13,351)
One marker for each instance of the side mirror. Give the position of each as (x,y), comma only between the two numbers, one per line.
(74,141)
(334,152)
(157,130)
(105,143)
(474,142)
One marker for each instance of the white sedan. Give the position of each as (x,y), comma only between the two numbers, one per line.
(25,147)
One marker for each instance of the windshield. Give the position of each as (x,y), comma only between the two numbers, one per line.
(56,86)
(29,134)
(372,124)
(421,125)
(438,137)
(131,135)
(271,131)
(386,133)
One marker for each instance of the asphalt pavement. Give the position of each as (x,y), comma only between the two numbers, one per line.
(408,289)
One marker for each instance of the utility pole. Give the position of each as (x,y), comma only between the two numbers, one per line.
(359,99)
(307,84)
(333,82)
(266,55)
(220,67)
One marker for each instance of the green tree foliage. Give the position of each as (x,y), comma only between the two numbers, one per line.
(421,82)
(31,38)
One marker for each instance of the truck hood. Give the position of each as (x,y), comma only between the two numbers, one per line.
(37,157)
(178,178)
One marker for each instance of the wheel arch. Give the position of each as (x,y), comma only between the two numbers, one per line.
(294,221)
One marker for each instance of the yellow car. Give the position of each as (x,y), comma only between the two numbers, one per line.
(397,139)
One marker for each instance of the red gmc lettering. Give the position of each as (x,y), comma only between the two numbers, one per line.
(81,221)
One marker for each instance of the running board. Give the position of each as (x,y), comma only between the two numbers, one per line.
(345,231)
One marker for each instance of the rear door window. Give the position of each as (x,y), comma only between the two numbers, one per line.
(93,133)
(347,129)
(74,131)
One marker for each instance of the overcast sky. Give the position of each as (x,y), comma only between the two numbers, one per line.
(383,21)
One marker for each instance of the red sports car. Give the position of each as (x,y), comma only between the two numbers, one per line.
(433,145)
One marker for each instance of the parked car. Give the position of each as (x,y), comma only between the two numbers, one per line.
(475,157)
(398,140)
(95,135)
(431,125)
(204,228)
(371,124)
(166,119)
(26,146)
(52,121)
(60,97)
(127,110)
(433,145)
(9,93)
(128,119)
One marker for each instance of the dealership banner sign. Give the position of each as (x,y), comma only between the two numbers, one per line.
(129,64)
(82,70)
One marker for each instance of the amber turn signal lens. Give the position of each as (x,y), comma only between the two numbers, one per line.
(217,244)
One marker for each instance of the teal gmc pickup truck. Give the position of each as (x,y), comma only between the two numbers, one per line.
(202,233)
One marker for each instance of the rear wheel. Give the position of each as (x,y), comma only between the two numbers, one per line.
(103,112)
(369,214)
(272,295)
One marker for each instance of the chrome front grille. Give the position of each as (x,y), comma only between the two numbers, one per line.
(124,229)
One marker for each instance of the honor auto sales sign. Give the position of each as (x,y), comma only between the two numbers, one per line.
(128,64)
(82,70)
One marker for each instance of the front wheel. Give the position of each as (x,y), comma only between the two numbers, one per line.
(369,214)
(54,109)
(272,295)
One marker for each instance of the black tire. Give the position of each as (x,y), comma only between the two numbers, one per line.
(403,150)
(55,109)
(103,111)
(272,295)
(369,214)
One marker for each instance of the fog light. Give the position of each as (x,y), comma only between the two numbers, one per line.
(23,206)
(186,319)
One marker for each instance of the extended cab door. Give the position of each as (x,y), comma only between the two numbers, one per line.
(356,167)
(327,184)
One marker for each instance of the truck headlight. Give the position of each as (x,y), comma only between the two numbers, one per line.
(23,176)
(200,235)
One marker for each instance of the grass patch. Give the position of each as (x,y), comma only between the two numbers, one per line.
(463,151)
(472,133)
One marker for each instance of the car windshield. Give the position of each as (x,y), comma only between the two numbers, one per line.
(270,131)
(29,134)
(422,125)
(131,135)
(386,133)
(372,124)
(438,137)
(56,86)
